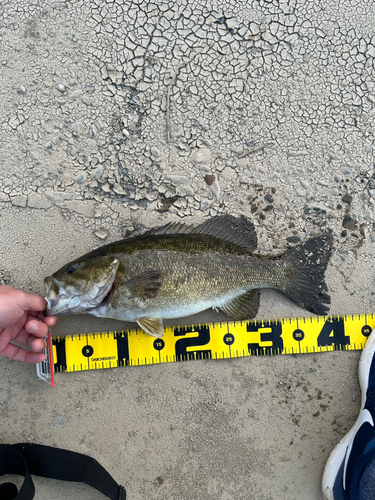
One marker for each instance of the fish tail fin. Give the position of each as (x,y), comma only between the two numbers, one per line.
(306,265)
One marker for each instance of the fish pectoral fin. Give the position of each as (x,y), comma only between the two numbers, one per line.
(145,285)
(243,307)
(152,326)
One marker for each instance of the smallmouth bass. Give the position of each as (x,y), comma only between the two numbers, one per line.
(177,270)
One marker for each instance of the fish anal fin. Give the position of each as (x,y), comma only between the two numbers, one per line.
(243,307)
(152,326)
(145,285)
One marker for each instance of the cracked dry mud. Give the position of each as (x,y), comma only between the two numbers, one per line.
(124,115)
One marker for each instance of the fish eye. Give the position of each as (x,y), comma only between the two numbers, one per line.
(70,269)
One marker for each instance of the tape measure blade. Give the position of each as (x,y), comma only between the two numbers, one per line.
(224,340)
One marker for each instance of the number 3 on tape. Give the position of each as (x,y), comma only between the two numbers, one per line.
(270,332)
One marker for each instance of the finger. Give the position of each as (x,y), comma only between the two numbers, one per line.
(50,320)
(36,327)
(29,301)
(36,344)
(20,354)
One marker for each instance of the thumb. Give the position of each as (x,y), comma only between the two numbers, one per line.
(31,302)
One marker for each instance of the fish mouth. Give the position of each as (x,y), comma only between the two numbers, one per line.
(61,302)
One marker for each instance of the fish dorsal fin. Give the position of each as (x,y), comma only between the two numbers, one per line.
(235,230)
(170,228)
(152,326)
(243,307)
(145,285)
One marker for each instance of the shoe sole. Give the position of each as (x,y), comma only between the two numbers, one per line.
(338,454)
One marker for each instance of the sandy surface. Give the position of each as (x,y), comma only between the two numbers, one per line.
(117,117)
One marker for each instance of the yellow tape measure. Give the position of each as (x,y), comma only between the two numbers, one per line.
(233,339)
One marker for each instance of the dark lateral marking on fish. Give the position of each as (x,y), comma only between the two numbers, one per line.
(122,348)
(60,364)
(181,345)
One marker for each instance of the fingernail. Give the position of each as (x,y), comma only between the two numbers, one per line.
(40,345)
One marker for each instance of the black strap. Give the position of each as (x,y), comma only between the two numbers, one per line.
(25,459)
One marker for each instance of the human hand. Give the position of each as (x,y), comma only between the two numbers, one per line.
(22,321)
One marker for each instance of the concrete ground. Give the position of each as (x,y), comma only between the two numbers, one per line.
(126,115)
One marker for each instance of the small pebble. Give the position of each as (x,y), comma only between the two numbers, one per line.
(215,190)
(81,177)
(22,89)
(294,239)
(349,223)
(101,233)
(77,128)
(201,155)
(89,101)
(209,178)
(61,87)
(177,131)
(347,198)
(155,152)
(97,173)
(205,205)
